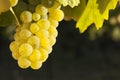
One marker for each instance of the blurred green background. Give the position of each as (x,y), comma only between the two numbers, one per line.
(93,55)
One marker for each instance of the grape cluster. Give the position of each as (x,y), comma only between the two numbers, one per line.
(36,35)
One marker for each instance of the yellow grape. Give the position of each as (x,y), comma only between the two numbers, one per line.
(26,16)
(25,33)
(16,36)
(44,54)
(44,42)
(42,33)
(48,48)
(57,15)
(53,23)
(4,6)
(53,31)
(36,55)
(43,24)
(13,2)
(42,10)
(14,46)
(36,65)
(36,16)
(44,16)
(52,40)
(34,41)
(25,50)
(23,62)
(25,26)
(34,28)
(15,55)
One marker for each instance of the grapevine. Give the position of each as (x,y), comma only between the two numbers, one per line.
(37,21)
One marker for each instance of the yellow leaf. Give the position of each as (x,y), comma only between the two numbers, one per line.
(96,11)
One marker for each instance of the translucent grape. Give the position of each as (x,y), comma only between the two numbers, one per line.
(53,23)
(26,16)
(36,55)
(23,62)
(25,50)
(36,16)
(44,54)
(57,15)
(53,31)
(34,28)
(48,48)
(41,9)
(43,24)
(34,41)
(52,40)
(42,33)
(14,46)
(44,16)
(44,42)
(36,65)
(24,33)
(13,2)
(15,55)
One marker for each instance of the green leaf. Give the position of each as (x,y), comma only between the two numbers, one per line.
(4,5)
(95,12)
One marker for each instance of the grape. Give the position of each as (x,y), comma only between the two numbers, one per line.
(53,31)
(42,33)
(36,35)
(44,54)
(43,24)
(36,65)
(41,9)
(23,62)
(26,16)
(53,22)
(17,36)
(36,16)
(52,40)
(44,42)
(36,55)
(34,41)
(14,46)
(24,33)
(25,26)
(25,50)
(15,55)
(48,48)
(57,15)
(13,2)
(44,16)
(34,28)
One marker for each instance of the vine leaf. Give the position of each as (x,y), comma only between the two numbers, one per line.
(4,5)
(96,12)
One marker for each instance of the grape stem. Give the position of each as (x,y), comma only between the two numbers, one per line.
(15,16)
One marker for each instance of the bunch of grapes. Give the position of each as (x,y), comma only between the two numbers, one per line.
(36,35)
